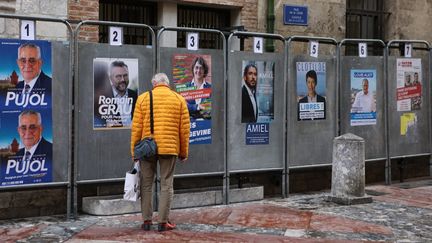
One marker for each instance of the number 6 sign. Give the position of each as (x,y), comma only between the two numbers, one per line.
(362,47)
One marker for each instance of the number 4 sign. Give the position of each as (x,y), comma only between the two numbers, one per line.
(115,36)
(27,30)
(192,41)
(258,45)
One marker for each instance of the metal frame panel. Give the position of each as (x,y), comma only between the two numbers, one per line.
(61,112)
(399,147)
(77,96)
(260,157)
(375,135)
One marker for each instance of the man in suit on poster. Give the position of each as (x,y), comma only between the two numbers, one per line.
(249,100)
(34,79)
(125,97)
(30,131)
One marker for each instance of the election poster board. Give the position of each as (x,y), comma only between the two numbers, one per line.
(115,86)
(257,91)
(363,97)
(311,90)
(257,100)
(26,135)
(192,78)
(409,84)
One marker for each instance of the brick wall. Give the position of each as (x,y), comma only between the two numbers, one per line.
(249,9)
(85,10)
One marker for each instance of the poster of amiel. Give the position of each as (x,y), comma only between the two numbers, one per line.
(115,83)
(311,90)
(257,91)
(409,84)
(25,112)
(192,77)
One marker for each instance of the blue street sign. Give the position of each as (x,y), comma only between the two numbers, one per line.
(295,15)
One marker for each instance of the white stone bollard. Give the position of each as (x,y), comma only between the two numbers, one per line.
(348,170)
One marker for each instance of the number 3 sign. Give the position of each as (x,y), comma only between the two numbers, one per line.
(192,41)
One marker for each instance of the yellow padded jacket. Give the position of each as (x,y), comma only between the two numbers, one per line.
(171,121)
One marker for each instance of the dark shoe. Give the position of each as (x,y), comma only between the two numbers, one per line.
(146,225)
(166,226)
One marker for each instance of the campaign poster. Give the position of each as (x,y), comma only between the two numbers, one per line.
(192,78)
(409,84)
(409,127)
(363,97)
(115,86)
(257,133)
(311,90)
(257,91)
(25,112)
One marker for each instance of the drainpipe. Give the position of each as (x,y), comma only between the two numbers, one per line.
(269,46)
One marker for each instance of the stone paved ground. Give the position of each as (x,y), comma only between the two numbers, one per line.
(398,213)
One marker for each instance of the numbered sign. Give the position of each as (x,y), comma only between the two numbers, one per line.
(258,45)
(115,36)
(314,48)
(192,41)
(362,47)
(408,50)
(28,30)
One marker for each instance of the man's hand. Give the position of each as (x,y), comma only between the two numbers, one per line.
(182,159)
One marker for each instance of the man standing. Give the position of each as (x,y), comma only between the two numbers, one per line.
(124,98)
(249,102)
(29,62)
(171,133)
(30,132)
(364,100)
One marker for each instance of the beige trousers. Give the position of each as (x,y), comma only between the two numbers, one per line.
(147,174)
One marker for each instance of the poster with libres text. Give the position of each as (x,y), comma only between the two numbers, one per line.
(311,90)
(26,136)
(192,77)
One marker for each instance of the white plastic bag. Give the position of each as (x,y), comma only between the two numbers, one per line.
(132,184)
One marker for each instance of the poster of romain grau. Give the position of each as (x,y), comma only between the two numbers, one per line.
(115,83)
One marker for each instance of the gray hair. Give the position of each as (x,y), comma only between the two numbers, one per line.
(160,78)
(30,45)
(30,112)
(117,63)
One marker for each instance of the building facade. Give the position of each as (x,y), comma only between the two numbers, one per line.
(378,19)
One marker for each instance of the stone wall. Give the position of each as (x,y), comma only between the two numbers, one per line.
(408,21)
(30,203)
(9,28)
